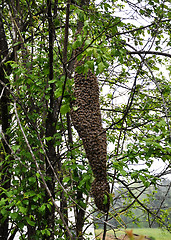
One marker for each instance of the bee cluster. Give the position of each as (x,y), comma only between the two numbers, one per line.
(86,118)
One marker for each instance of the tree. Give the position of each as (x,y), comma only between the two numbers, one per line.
(53,144)
(5,151)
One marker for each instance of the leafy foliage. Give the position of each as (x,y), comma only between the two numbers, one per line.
(127,45)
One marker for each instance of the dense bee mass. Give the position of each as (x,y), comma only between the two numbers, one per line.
(86,118)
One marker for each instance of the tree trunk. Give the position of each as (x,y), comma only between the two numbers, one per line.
(50,132)
(80,214)
(5,151)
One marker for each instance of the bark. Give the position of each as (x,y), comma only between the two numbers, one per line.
(80,214)
(4,112)
(50,131)
(63,200)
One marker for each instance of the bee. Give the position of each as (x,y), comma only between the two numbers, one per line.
(86,118)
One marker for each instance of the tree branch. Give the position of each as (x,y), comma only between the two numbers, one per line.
(150,52)
(40,173)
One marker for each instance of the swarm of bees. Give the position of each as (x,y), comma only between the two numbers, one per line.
(86,118)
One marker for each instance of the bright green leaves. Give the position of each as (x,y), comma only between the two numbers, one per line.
(81,14)
(65,108)
(15,147)
(23,210)
(91,52)
(32,180)
(85,182)
(105,199)
(94,59)
(2,201)
(78,42)
(87,43)
(143,176)
(45,232)
(43,207)
(30,221)
(137,117)
(66,179)
(121,167)
(90,65)
(4,207)
(20,209)
(14,215)
(13,64)
(101,67)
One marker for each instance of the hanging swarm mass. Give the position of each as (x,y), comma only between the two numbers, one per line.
(86,118)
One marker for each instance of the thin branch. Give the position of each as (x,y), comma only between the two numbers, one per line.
(130,100)
(137,29)
(155,81)
(2,92)
(163,100)
(150,52)
(164,198)
(39,171)
(142,205)
(93,40)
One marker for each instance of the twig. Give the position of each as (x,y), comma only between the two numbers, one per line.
(40,173)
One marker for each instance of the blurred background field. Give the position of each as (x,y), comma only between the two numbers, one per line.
(153,233)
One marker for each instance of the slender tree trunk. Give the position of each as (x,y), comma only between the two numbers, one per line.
(80,214)
(5,151)
(63,200)
(50,130)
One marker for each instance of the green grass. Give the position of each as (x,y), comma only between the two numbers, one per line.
(156,233)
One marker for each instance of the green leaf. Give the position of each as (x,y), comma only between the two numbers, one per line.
(65,108)
(35,198)
(20,225)
(45,232)
(134,175)
(23,209)
(105,199)
(91,65)
(58,93)
(81,15)
(82,167)
(10,193)
(142,178)
(15,147)
(33,207)
(87,42)
(38,175)
(14,65)
(32,179)
(75,108)
(2,201)
(26,201)
(66,179)
(48,138)
(101,67)
(62,79)
(4,212)
(30,222)
(123,172)
(52,81)
(78,42)
(14,215)
(42,208)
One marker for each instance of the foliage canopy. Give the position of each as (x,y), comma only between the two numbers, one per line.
(44,171)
